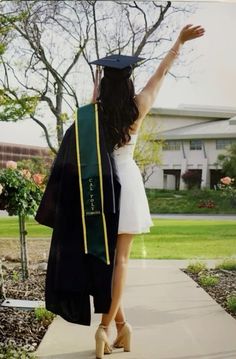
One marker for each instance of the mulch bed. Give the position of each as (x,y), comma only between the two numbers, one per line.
(220,291)
(18,327)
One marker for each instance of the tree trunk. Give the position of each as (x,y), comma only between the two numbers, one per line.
(2,289)
(59,130)
(59,99)
(23,247)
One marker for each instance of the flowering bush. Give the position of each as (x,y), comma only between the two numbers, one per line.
(227,180)
(228,189)
(11,164)
(206,204)
(192,179)
(20,192)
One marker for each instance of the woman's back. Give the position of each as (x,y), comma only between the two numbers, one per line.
(134,210)
(125,152)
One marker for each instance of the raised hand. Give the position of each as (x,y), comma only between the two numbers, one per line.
(190,32)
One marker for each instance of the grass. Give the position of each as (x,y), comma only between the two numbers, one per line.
(9,228)
(231,303)
(208,280)
(188,201)
(187,239)
(196,267)
(228,264)
(42,314)
(168,239)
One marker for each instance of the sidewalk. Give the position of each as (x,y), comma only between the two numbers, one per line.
(206,216)
(172,318)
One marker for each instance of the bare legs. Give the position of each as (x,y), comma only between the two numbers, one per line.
(120,317)
(123,248)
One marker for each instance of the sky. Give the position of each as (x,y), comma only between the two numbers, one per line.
(213,73)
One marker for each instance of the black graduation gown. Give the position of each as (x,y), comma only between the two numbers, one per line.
(72,276)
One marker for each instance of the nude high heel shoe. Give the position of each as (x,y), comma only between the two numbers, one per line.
(123,339)
(102,345)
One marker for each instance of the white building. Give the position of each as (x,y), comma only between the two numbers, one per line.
(193,138)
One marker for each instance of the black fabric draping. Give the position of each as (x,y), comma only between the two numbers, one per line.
(72,276)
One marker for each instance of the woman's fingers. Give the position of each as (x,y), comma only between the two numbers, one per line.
(188,25)
(190,32)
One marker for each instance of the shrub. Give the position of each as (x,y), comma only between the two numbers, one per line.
(228,264)
(192,178)
(11,352)
(44,315)
(196,267)
(231,302)
(228,189)
(20,193)
(208,280)
(206,204)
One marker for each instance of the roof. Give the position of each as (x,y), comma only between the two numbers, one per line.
(214,112)
(24,146)
(208,129)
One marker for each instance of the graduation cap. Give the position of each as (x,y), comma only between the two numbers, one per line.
(117,61)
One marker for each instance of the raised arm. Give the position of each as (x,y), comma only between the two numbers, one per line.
(96,84)
(147,96)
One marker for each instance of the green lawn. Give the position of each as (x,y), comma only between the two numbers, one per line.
(185,239)
(169,238)
(9,228)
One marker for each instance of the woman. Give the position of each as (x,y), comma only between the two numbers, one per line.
(122,113)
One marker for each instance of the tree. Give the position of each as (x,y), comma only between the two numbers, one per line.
(13,106)
(147,151)
(20,194)
(31,32)
(227,161)
(52,43)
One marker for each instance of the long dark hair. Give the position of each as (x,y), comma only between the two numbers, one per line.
(117,107)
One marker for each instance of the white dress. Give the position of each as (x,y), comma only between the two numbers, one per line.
(134,209)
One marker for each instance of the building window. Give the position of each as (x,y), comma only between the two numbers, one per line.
(171,145)
(222,143)
(195,144)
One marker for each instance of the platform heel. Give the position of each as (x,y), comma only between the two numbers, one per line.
(102,345)
(123,339)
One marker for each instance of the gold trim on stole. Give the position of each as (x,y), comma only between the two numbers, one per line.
(80,184)
(101,185)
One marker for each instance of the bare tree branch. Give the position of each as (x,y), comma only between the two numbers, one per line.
(84,28)
(45,133)
(151,30)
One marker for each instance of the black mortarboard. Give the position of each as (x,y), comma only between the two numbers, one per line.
(117,61)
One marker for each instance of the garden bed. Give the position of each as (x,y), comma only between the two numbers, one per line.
(21,329)
(193,201)
(225,287)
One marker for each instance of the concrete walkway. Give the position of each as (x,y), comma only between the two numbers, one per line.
(218,217)
(177,216)
(172,318)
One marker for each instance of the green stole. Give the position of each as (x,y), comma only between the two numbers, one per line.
(91,182)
